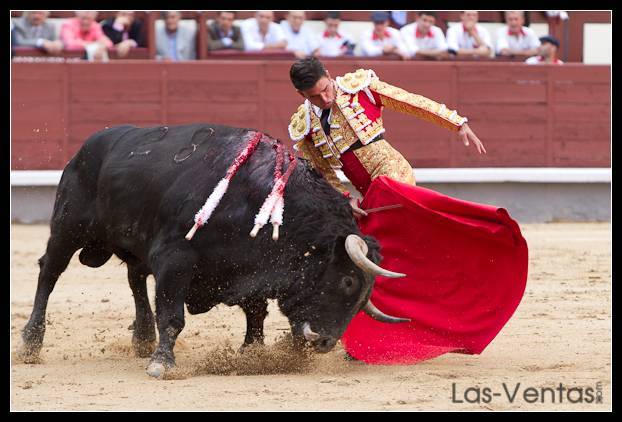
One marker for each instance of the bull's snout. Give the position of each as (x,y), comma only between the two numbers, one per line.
(324,344)
(321,343)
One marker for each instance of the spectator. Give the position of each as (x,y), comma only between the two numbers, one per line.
(382,39)
(547,52)
(223,34)
(175,42)
(262,34)
(13,42)
(83,32)
(302,41)
(33,30)
(124,31)
(469,39)
(514,39)
(557,15)
(423,38)
(334,42)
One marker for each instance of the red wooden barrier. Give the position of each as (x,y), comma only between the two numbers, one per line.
(531,116)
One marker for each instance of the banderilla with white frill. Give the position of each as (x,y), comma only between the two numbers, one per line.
(273,205)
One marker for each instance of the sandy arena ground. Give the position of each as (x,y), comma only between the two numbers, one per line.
(560,333)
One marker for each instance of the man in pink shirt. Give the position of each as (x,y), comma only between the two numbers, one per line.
(83,31)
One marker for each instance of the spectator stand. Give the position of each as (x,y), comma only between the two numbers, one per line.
(570,32)
(58,17)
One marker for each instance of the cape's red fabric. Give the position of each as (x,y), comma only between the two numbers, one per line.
(466,266)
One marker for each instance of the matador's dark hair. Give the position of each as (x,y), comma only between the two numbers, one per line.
(305,73)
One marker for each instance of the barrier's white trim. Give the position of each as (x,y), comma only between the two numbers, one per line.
(429,175)
(35,177)
(515,174)
(511,174)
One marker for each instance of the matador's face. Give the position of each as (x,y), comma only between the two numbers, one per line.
(322,94)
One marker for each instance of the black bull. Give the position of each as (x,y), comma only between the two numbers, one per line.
(133,192)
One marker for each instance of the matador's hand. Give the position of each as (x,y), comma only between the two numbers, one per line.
(358,213)
(465,133)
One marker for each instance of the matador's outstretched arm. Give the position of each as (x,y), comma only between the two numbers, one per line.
(417,105)
(403,101)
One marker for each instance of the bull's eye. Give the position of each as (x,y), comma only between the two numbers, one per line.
(348,281)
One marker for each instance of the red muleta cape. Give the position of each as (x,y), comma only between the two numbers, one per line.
(466,271)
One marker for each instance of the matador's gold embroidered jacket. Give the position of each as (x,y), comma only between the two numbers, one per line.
(357,115)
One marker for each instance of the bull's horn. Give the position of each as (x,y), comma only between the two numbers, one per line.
(309,334)
(378,315)
(357,250)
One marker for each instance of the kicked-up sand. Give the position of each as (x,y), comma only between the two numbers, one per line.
(553,354)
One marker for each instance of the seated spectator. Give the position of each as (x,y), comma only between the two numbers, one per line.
(557,15)
(423,38)
(33,30)
(382,39)
(175,42)
(12,39)
(469,39)
(262,34)
(124,31)
(547,52)
(333,41)
(300,39)
(514,39)
(223,34)
(83,32)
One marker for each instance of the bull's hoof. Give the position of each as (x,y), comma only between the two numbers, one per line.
(158,369)
(29,353)
(143,348)
(252,346)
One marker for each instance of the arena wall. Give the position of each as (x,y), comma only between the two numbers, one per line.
(538,117)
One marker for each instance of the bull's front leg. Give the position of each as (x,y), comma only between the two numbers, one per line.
(144,336)
(172,270)
(256,311)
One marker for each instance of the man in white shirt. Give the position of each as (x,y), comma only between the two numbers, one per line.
(262,34)
(333,41)
(514,39)
(300,39)
(382,39)
(469,39)
(423,38)
(547,52)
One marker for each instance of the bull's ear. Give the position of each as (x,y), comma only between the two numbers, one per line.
(373,249)
(339,249)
